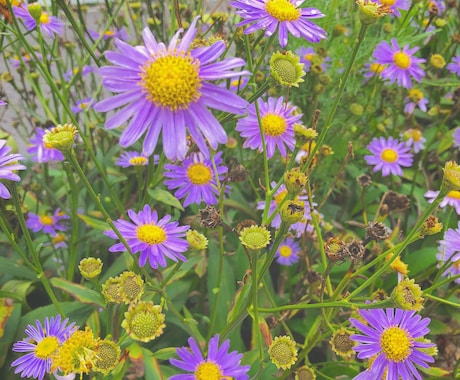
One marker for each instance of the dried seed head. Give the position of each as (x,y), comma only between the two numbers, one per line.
(364,180)
(236,171)
(356,251)
(210,217)
(376,231)
(396,202)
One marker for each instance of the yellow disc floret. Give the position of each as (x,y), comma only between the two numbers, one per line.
(199,174)
(46,347)
(282,10)
(396,344)
(273,125)
(208,371)
(138,161)
(388,2)
(144,321)
(172,81)
(285,251)
(283,352)
(389,155)
(402,60)
(46,220)
(151,234)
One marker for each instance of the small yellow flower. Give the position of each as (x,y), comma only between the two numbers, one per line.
(304,135)
(283,352)
(431,226)
(90,267)
(144,321)
(108,354)
(407,295)
(451,178)
(305,373)
(295,181)
(255,237)
(111,290)
(370,11)
(398,265)
(131,287)
(196,240)
(286,69)
(438,61)
(292,212)
(341,343)
(61,137)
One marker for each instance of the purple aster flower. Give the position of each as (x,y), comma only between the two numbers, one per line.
(154,239)
(219,363)
(39,151)
(436,7)
(39,346)
(298,228)
(414,139)
(388,155)
(415,99)
(239,83)
(17,62)
(8,164)
(373,69)
(402,65)
(392,338)
(308,56)
(3,103)
(135,159)
(451,199)
(449,252)
(85,70)
(82,105)
(48,223)
(278,121)
(285,15)
(396,5)
(288,252)
(168,86)
(121,34)
(49,25)
(195,179)
(454,66)
(456,137)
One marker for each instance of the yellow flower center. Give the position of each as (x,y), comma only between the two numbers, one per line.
(46,220)
(46,347)
(273,125)
(83,105)
(309,57)
(396,344)
(416,135)
(387,2)
(145,324)
(151,234)
(454,194)
(199,174)
(389,155)
(138,161)
(172,81)
(285,251)
(44,18)
(280,196)
(415,95)
(402,60)
(282,10)
(208,371)
(376,68)
(109,33)
(59,238)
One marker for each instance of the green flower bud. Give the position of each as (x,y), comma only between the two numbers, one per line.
(292,211)
(295,181)
(286,69)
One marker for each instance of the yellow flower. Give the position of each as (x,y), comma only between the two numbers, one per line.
(144,321)
(255,237)
(286,69)
(283,352)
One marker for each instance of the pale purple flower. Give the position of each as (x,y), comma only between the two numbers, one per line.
(133,158)
(401,65)
(155,239)
(451,199)
(166,89)
(438,5)
(40,152)
(277,118)
(287,252)
(82,105)
(49,25)
(396,5)
(195,179)
(449,252)
(85,70)
(218,362)
(393,338)
(37,347)
(388,155)
(286,16)
(121,34)
(8,165)
(308,56)
(50,224)
(454,66)
(414,139)
(373,69)
(414,99)
(3,103)
(456,137)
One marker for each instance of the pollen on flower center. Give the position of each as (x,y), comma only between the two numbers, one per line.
(273,125)
(172,81)
(151,234)
(454,194)
(282,10)
(417,135)
(199,174)
(396,344)
(138,161)
(402,60)
(415,95)
(46,220)
(44,18)
(389,155)
(46,347)
(145,324)
(387,2)
(285,251)
(208,371)
(280,196)
(376,68)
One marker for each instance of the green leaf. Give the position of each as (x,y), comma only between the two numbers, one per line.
(96,223)
(19,287)
(20,270)
(79,292)
(165,197)
(152,369)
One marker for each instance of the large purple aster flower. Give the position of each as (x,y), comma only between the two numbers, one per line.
(277,118)
(401,63)
(388,155)
(449,252)
(50,224)
(166,88)
(392,339)
(41,152)
(49,25)
(8,163)
(40,345)
(286,15)
(154,239)
(454,66)
(288,252)
(195,179)
(219,363)
(451,199)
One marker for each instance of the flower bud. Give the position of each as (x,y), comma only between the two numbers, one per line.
(144,321)
(196,240)
(90,267)
(370,11)
(451,178)
(61,137)
(35,10)
(292,211)
(255,237)
(431,226)
(286,69)
(283,352)
(341,343)
(407,295)
(295,181)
